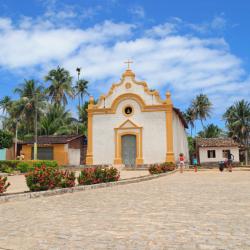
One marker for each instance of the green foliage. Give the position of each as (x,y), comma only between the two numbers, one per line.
(57,121)
(24,167)
(211,131)
(60,87)
(191,145)
(6,139)
(3,184)
(14,165)
(45,178)
(237,119)
(81,90)
(19,114)
(96,175)
(161,168)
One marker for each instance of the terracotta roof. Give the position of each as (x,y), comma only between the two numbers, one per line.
(54,139)
(179,113)
(216,142)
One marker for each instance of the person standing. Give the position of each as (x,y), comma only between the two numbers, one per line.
(230,158)
(195,162)
(181,160)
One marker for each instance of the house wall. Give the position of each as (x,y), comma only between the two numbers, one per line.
(153,133)
(3,154)
(60,153)
(180,138)
(218,153)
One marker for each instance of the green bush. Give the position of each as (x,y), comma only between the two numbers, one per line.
(161,168)
(96,175)
(13,165)
(7,169)
(45,178)
(24,167)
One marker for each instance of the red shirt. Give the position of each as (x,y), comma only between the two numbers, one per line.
(181,158)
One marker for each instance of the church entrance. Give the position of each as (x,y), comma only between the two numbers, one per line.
(128,149)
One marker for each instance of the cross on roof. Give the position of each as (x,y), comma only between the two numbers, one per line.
(128,62)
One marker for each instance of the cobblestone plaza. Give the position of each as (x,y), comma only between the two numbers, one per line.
(204,210)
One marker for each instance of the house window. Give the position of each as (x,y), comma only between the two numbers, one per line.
(225,153)
(43,153)
(211,154)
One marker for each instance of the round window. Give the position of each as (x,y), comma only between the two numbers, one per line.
(128,110)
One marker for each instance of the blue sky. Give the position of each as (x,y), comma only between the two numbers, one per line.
(186,47)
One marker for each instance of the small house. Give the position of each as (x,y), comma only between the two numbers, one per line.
(212,150)
(67,150)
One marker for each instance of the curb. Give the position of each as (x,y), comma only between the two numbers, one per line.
(30,195)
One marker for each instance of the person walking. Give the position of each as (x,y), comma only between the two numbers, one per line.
(195,162)
(181,160)
(230,158)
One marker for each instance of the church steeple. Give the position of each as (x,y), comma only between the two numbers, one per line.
(128,72)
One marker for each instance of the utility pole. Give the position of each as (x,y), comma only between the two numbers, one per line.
(35,143)
(78,70)
(16,139)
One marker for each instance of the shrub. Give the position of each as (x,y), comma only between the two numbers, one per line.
(6,169)
(45,178)
(13,164)
(161,168)
(24,167)
(96,175)
(47,163)
(67,179)
(3,184)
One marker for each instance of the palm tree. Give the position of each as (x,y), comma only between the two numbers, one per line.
(238,120)
(60,86)
(190,118)
(5,104)
(32,100)
(202,107)
(81,90)
(56,121)
(210,131)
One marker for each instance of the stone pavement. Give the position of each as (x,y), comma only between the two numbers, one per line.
(204,210)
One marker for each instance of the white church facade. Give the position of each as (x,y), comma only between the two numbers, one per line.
(132,125)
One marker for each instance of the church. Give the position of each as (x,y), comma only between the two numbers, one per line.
(132,125)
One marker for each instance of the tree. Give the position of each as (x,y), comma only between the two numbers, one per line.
(31,100)
(5,104)
(201,107)
(190,118)
(81,90)
(60,86)
(237,119)
(56,121)
(210,131)
(6,139)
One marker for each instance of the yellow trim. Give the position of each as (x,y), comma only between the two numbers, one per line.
(135,97)
(89,156)
(169,129)
(129,73)
(134,125)
(128,106)
(118,143)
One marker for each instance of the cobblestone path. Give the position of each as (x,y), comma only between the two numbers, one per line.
(204,210)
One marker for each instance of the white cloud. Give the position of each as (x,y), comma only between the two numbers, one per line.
(185,64)
(162,30)
(137,11)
